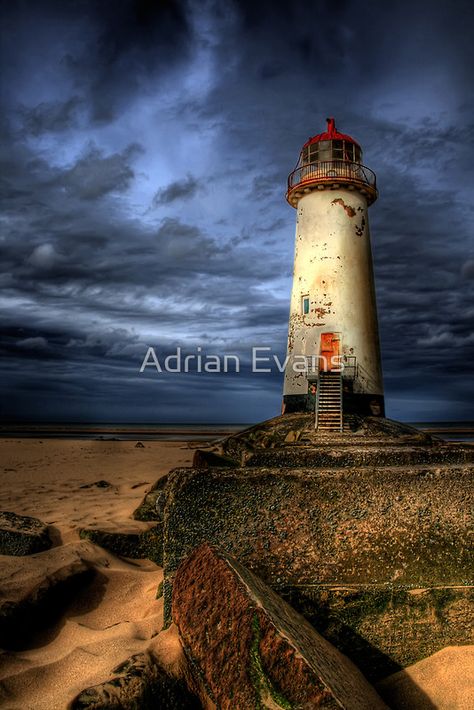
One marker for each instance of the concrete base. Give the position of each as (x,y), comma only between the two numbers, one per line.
(349,547)
(365,532)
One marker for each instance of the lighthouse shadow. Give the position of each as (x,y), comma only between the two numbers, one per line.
(393,683)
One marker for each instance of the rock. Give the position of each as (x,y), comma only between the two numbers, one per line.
(97,484)
(139,445)
(330,456)
(443,681)
(370,556)
(148,510)
(273,432)
(35,589)
(151,544)
(389,427)
(292,437)
(250,649)
(206,459)
(138,683)
(265,435)
(131,540)
(22,535)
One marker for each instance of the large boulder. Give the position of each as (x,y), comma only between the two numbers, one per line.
(138,684)
(134,540)
(21,535)
(376,558)
(249,649)
(206,459)
(35,589)
(151,507)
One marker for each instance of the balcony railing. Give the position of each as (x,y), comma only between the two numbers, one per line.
(330,171)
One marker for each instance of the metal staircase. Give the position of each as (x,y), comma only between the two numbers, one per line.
(329,402)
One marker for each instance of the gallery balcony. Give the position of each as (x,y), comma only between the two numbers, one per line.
(331,174)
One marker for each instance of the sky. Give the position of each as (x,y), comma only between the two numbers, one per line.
(144,157)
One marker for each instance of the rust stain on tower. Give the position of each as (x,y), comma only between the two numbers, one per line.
(350,211)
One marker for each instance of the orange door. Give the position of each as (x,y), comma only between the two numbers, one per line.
(329,351)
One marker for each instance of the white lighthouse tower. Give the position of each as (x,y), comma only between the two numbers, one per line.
(333,314)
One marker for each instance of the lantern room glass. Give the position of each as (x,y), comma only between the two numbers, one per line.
(330,150)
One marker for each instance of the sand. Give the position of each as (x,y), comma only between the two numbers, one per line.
(445,681)
(118,614)
(42,478)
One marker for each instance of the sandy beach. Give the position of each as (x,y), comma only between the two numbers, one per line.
(120,615)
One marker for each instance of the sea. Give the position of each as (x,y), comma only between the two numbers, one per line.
(113,431)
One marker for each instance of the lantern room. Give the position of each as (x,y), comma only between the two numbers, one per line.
(330,160)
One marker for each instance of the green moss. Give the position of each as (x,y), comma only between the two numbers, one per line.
(167,602)
(260,681)
(151,544)
(145,545)
(146,511)
(21,535)
(373,603)
(441,598)
(122,544)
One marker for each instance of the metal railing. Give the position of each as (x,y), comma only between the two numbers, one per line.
(317,363)
(330,170)
(350,367)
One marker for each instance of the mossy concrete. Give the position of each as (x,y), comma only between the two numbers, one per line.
(137,684)
(136,544)
(382,531)
(151,507)
(299,428)
(335,455)
(22,535)
(384,628)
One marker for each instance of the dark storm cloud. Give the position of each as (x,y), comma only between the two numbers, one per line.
(51,116)
(94,175)
(200,113)
(132,40)
(178,190)
(112,47)
(467,269)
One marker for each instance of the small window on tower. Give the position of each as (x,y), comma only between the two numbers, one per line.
(313,153)
(324,151)
(337,150)
(305,305)
(349,151)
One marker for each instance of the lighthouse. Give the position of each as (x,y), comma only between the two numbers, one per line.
(333,364)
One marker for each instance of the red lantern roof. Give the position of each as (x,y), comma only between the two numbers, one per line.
(330,135)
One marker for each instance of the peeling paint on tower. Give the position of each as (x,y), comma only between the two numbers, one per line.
(350,211)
